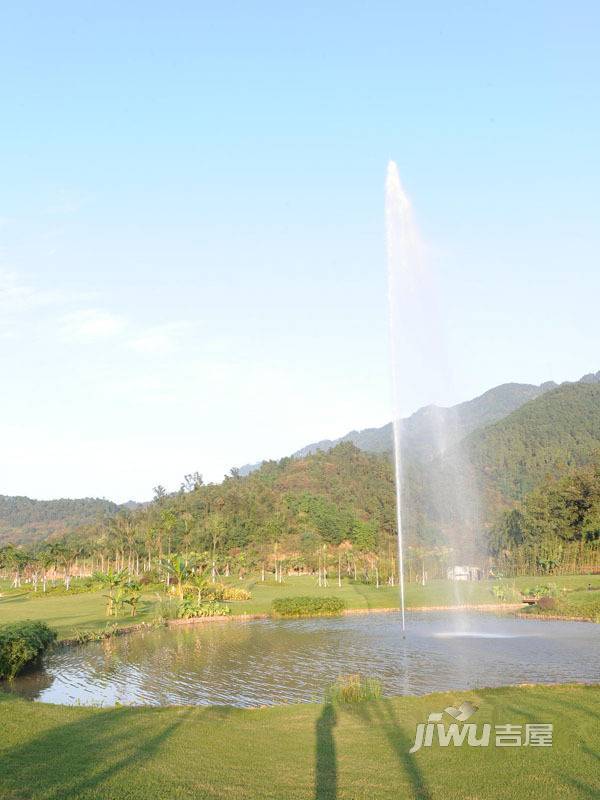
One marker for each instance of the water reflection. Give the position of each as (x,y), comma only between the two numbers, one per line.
(264,662)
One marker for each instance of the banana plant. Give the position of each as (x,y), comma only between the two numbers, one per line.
(180,570)
(114,581)
(198,582)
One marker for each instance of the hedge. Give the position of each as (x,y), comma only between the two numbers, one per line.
(307,606)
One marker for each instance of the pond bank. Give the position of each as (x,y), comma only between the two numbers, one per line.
(517,608)
(490,607)
(465,607)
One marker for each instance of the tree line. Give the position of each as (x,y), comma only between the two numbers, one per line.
(555,529)
(331,514)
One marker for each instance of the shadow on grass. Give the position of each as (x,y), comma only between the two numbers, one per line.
(561,706)
(14,598)
(378,715)
(381,715)
(84,757)
(326,761)
(585,790)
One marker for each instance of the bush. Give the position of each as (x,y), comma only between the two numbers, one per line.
(353,689)
(236,593)
(151,578)
(307,606)
(543,590)
(213,591)
(188,609)
(20,644)
(546,603)
(219,591)
(212,609)
(84,636)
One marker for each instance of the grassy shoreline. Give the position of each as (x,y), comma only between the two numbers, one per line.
(74,614)
(511,609)
(297,752)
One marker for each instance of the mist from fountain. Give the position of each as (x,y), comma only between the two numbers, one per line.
(418,358)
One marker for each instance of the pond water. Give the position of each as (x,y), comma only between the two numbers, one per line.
(266,662)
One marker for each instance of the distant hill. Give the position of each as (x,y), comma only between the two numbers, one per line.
(23,519)
(418,430)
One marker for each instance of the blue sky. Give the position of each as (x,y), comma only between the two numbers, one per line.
(191,221)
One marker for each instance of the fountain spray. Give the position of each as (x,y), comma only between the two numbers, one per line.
(420,369)
(397,222)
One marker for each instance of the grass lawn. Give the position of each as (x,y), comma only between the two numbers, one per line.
(435,593)
(298,752)
(69,613)
(86,612)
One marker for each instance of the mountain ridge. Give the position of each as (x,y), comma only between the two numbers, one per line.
(460,419)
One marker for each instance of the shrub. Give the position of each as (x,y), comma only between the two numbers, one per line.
(213,591)
(543,590)
(219,591)
(236,593)
(165,609)
(20,644)
(546,603)
(353,689)
(213,609)
(307,606)
(188,609)
(151,578)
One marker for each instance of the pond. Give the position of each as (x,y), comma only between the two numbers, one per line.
(266,662)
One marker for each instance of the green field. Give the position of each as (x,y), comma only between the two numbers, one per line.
(70,614)
(298,752)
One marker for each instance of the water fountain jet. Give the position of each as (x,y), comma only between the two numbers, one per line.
(401,240)
(420,374)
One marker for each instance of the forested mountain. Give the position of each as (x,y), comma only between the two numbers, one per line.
(344,493)
(286,510)
(546,436)
(23,519)
(421,435)
(419,430)
(462,494)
